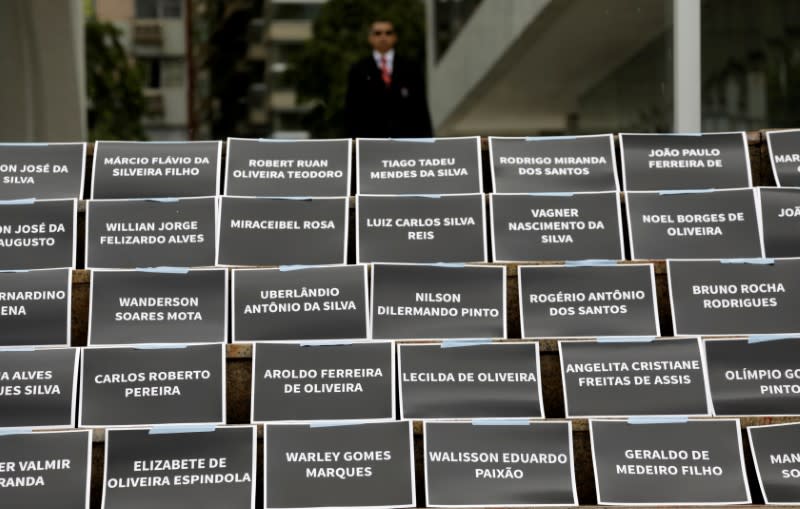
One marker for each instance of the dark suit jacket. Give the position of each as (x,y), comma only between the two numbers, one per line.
(373,110)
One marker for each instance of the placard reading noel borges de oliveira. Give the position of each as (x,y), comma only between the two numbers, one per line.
(126,169)
(38,234)
(126,234)
(35,307)
(653,162)
(268,167)
(777,460)
(780,220)
(130,306)
(412,166)
(44,171)
(784,156)
(553,164)
(327,302)
(706,224)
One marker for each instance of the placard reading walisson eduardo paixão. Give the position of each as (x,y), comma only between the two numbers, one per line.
(38,234)
(35,308)
(41,170)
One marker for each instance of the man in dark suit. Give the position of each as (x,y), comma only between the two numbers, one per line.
(385,92)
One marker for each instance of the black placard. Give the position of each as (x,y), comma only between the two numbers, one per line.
(353,465)
(780,221)
(35,307)
(443,381)
(754,378)
(784,156)
(587,301)
(38,234)
(44,171)
(553,164)
(421,229)
(202,469)
(633,378)
(311,303)
(653,162)
(127,307)
(468,465)
(46,470)
(126,234)
(126,169)
(777,460)
(38,388)
(256,231)
(574,227)
(665,463)
(716,298)
(268,167)
(713,224)
(437,166)
(123,386)
(323,382)
(429,302)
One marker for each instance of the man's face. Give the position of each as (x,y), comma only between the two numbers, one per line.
(382,36)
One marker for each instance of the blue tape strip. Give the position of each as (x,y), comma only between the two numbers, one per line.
(500,422)
(327,342)
(751,261)
(24,144)
(335,424)
(160,346)
(589,263)
(560,194)
(277,140)
(21,201)
(625,339)
(15,270)
(168,429)
(658,419)
(15,431)
(17,349)
(432,196)
(685,191)
(289,268)
(545,138)
(448,265)
(164,200)
(414,140)
(287,198)
(164,270)
(460,343)
(762,338)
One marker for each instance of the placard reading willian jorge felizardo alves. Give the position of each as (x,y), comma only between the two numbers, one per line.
(777,458)
(423,301)
(754,378)
(287,167)
(202,470)
(46,470)
(714,224)
(498,464)
(128,386)
(38,388)
(663,377)
(780,220)
(35,308)
(258,231)
(353,465)
(416,229)
(669,161)
(158,307)
(300,382)
(494,380)
(52,170)
(312,303)
(38,235)
(784,150)
(715,298)
(126,234)
(694,462)
(592,301)
(554,164)
(155,170)
(577,227)
(434,166)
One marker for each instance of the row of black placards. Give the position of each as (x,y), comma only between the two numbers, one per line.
(466,464)
(128,386)
(433,166)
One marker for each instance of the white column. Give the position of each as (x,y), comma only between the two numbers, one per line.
(686,66)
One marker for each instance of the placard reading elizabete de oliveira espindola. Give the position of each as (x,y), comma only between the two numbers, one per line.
(130,306)
(38,234)
(780,220)
(429,302)
(457,381)
(282,231)
(300,303)
(777,461)
(323,381)
(35,307)
(125,169)
(178,384)
(42,170)
(784,155)
(270,167)
(126,234)
(499,465)
(663,377)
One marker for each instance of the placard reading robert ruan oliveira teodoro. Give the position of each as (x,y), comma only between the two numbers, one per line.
(37,170)
(35,307)
(734,297)
(37,234)
(269,167)
(784,156)
(780,220)
(652,162)
(776,455)
(553,164)
(414,166)
(126,169)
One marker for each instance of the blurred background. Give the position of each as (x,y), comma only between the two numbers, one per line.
(209,69)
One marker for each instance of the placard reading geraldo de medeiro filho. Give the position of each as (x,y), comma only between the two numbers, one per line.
(41,170)
(35,307)
(38,234)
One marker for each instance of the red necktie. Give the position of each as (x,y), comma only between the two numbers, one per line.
(385,75)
